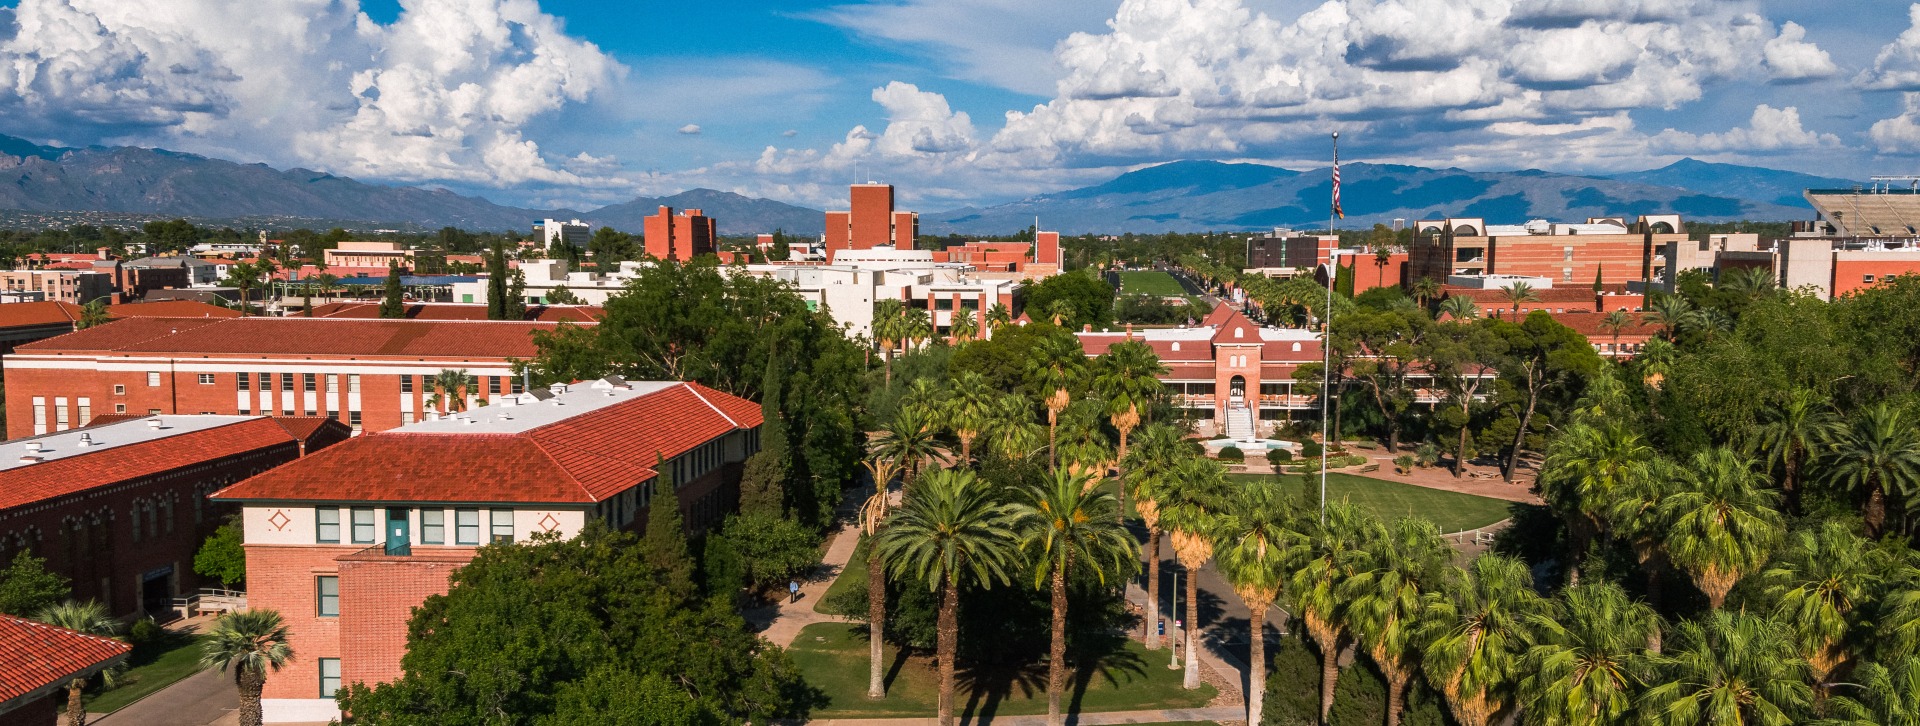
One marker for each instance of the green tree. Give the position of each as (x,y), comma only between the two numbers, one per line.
(1874,454)
(450,391)
(1889,696)
(252,643)
(391,303)
(1476,629)
(1788,434)
(1822,582)
(222,556)
(1149,465)
(244,278)
(1386,598)
(1460,308)
(1068,527)
(774,548)
(1189,500)
(515,307)
(963,328)
(560,295)
(1587,659)
(1543,357)
(88,617)
(910,441)
(1673,314)
(26,587)
(1519,293)
(663,546)
(1056,368)
(1586,469)
(1722,523)
(873,517)
(889,329)
(1317,586)
(1614,322)
(497,282)
(1257,537)
(1456,356)
(92,314)
(951,532)
(1729,668)
(969,410)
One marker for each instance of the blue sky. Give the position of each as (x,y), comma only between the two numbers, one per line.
(572,102)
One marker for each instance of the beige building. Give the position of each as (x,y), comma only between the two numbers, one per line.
(369,254)
(71,286)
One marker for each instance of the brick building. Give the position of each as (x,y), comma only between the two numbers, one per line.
(680,237)
(345,543)
(41,660)
(871,221)
(1608,249)
(120,508)
(77,287)
(1287,253)
(1227,368)
(371,374)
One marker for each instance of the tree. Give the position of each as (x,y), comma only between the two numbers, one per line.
(222,555)
(968,410)
(962,329)
(1722,522)
(1060,312)
(391,303)
(1459,307)
(1542,356)
(1256,539)
(1822,581)
(1476,630)
(251,643)
(515,307)
(952,531)
(1069,527)
(26,587)
(1057,366)
(774,549)
(560,295)
(1789,432)
(1161,448)
(1614,322)
(998,317)
(1585,471)
(916,327)
(1457,356)
(1876,452)
(1519,293)
(1424,290)
(909,441)
(1889,696)
(88,617)
(1673,314)
(1189,499)
(497,282)
(1317,584)
(244,277)
(663,546)
(1586,660)
(889,329)
(92,314)
(1127,376)
(873,515)
(1729,668)
(1386,599)
(1391,341)
(450,391)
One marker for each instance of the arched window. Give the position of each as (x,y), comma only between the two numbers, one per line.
(1466,230)
(1662,228)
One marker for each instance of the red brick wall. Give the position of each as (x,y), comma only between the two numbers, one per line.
(906,226)
(1618,261)
(872,216)
(281,578)
(377,597)
(1850,276)
(838,234)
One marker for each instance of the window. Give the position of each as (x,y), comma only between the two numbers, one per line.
(59,414)
(353,417)
(326,525)
(122,408)
(335,415)
(502,525)
(328,588)
(283,412)
(353,383)
(513,385)
(1568,253)
(306,382)
(244,381)
(153,379)
(406,383)
(1866,278)
(206,379)
(466,526)
(286,382)
(119,389)
(493,385)
(433,526)
(266,381)
(363,528)
(153,412)
(329,677)
(333,383)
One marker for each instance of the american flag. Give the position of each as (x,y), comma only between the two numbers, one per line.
(1336,185)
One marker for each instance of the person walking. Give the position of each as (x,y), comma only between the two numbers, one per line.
(793,591)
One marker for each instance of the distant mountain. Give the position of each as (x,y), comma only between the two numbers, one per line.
(1207,195)
(737,214)
(1743,182)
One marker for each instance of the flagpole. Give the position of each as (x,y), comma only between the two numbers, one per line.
(1326,336)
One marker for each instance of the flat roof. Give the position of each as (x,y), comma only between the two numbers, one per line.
(523,412)
(95,439)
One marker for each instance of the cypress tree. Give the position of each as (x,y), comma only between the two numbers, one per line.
(391,305)
(1599,273)
(515,306)
(763,483)
(497,283)
(664,546)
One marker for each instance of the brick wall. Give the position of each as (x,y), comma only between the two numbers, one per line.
(281,578)
(377,597)
(42,711)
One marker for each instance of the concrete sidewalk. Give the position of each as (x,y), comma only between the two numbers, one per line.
(207,697)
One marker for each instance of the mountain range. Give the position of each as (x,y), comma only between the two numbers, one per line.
(1195,195)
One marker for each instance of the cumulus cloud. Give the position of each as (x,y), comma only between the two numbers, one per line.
(1897,67)
(1900,134)
(444,93)
(1770,129)
(1791,58)
(690,129)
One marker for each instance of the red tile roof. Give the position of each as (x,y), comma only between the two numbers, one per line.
(32,314)
(1588,324)
(581,459)
(171,309)
(40,655)
(111,465)
(302,336)
(460,311)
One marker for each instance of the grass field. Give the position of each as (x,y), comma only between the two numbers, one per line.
(833,657)
(1149,282)
(851,577)
(153,668)
(1453,511)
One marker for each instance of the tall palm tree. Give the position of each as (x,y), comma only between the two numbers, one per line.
(1517,294)
(1256,538)
(998,316)
(1386,599)
(1588,657)
(1729,668)
(1459,307)
(1128,377)
(1751,282)
(1722,522)
(1585,466)
(1054,368)
(1317,583)
(1889,696)
(969,410)
(962,328)
(1060,311)
(1634,515)
(1476,629)
(1424,290)
(909,440)
(873,515)
(1614,322)
(1674,314)
(92,314)
(252,643)
(1876,453)
(88,617)
(916,327)
(1822,581)
(1789,432)
(1013,436)
(888,330)
(243,277)
(1069,527)
(951,530)
(1161,447)
(1190,499)
(1656,361)
(926,396)
(450,388)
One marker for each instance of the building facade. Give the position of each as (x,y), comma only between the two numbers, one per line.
(1287,253)
(869,222)
(345,556)
(370,374)
(1226,368)
(1606,250)
(680,237)
(76,287)
(554,233)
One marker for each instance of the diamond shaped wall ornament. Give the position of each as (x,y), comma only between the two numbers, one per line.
(549,524)
(279,520)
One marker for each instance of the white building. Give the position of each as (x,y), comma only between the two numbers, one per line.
(573,232)
(543,276)
(859,279)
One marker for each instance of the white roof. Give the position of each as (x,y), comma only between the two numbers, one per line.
(1284,334)
(526,411)
(74,442)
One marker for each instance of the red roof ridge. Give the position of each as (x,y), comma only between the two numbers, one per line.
(695,390)
(574,480)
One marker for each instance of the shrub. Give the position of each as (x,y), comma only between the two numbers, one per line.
(145,631)
(1403,463)
(1278,457)
(1426,455)
(1232,453)
(1293,685)
(1310,449)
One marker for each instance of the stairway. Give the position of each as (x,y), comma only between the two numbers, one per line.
(1240,423)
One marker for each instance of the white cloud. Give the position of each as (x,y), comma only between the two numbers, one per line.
(690,129)
(790,133)
(1769,130)
(1003,43)
(1897,67)
(1900,134)
(1790,58)
(442,94)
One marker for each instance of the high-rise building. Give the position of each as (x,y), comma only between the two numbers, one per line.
(554,232)
(679,237)
(870,222)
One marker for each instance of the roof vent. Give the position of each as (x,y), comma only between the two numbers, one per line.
(86,440)
(33,447)
(29,459)
(466,421)
(153,423)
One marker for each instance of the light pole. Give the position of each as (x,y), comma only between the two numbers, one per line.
(1173,649)
(1326,337)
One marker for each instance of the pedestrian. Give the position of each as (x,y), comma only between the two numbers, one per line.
(793,591)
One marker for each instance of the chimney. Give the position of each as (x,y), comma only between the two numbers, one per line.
(1129,331)
(1087,328)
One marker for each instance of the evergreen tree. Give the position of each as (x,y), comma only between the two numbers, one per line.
(497,283)
(1599,273)
(722,571)
(515,305)
(664,546)
(763,484)
(391,305)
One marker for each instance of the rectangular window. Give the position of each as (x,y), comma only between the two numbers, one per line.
(326,525)
(119,389)
(59,414)
(493,385)
(329,677)
(286,381)
(466,526)
(513,385)
(353,383)
(328,587)
(333,383)
(335,415)
(86,411)
(353,417)
(283,412)
(307,382)
(433,526)
(206,379)
(1866,278)
(406,383)
(244,381)
(1568,253)
(266,381)
(122,408)
(153,379)
(502,525)
(363,527)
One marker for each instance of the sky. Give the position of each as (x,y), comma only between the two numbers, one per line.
(959,102)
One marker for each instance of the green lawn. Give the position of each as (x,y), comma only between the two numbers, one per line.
(833,657)
(1453,511)
(153,667)
(851,577)
(1150,282)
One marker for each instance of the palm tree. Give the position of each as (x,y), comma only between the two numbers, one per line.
(1013,434)
(1751,282)
(1584,469)
(916,326)
(1061,311)
(1634,515)
(873,515)
(252,643)
(968,410)
(450,391)
(88,617)
(1875,453)
(1424,290)
(1890,696)
(92,314)
(1656,361)
(1587,659)
(1673,313)
(243,277)
(1318,581)
(1459,308)
(998,316)
(1128,377)
(1789,432)
(1190,498)
(909,441)
(1613,323)
(1386,599)
(1161,447)
(888,330)
(1519,293)
(962,327)
(1054,367)
(1476,630)
(1069,527)
(926,396)
(1729,668)
(1257,537)
(1822,581)
(1722,522)
(948,532)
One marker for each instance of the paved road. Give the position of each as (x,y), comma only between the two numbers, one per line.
(196,700)
(1223,617)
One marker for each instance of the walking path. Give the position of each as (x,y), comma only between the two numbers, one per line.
(206,697)
(781,623)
